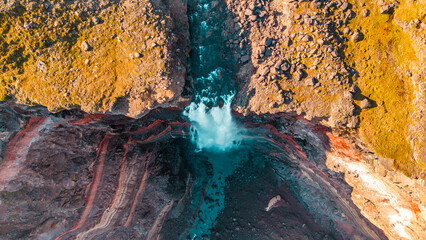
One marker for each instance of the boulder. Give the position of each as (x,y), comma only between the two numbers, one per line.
(345,6)
(287,42)
(298,74)
(307,38)
(387,9)
(267,42)
(311,81)
(346,30)
(316,4)
(408,73)
(96,20)
(365,104)
(357,36)
(264,71)
(285,66)
(366,13)
(41,66)
(273,105)
(85,46)
(245,58)
(355,89)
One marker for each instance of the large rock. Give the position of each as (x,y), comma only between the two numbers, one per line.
(311,81)
(357,36)
(85,46)
(365,104)
(387,9)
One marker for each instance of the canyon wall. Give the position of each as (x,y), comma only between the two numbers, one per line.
(93,142)
(76,176)
(352,64)
(356,65)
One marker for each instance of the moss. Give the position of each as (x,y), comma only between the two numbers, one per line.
(381,58)
(409,11)
(3,92)
(53,39)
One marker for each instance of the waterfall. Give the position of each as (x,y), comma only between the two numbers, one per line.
(213,128)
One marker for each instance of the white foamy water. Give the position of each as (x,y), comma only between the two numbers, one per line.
(213,128)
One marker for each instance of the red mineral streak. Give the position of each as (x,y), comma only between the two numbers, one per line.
(173,129)
(339,146)
(87,119)
(166,133)
(118,200)
(157,123)
(153,125)
(18,149)
(287,138)
(299,150)
(93,186)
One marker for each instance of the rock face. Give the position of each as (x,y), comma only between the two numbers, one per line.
(139,51)
(307,41)
(338,43)
(67,35)
(299,66)
(85,46)
(75,176)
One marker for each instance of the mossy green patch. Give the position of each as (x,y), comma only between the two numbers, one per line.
(41,60)
(381,59)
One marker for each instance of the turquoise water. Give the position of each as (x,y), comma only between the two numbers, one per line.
(214,130)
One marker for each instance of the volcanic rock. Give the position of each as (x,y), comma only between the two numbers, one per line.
(365,104)
(387,9)
(311,81)
(85,46)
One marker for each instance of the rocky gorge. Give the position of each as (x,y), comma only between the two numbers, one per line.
(306,121)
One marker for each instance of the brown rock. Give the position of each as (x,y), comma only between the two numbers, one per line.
(41,66)
(307,38)
(285,66)
(357,36)
(365,104)
(85,46)
(345,6)
(387,9)
(96,20)
(311,81)
(366,13)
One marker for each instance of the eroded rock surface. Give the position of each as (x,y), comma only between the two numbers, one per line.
(76,176)
(297,61)
(326,59)
(123,57)
(357,67)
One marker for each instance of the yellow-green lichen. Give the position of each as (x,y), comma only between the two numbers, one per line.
(381,60)
(41,61)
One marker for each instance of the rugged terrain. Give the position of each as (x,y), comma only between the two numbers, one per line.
(344,64)
(94,143)
(76,176)
(348,64)
(124,57)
